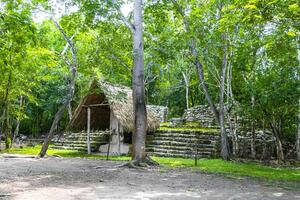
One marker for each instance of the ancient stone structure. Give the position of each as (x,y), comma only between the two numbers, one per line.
(264,140)
(183,142)
(161,112)
(202,114)
(108,107)
(77,140)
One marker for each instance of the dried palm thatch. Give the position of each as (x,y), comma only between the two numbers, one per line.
(117,103)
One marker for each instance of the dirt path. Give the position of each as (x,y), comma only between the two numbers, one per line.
(68,179)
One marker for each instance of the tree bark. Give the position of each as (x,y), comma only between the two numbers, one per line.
(139,107)
(224,140)
(70,111)
(298,135)
(279,149)
(253,136)
(16,132)
(235,143)
(232,118)
(186,79)
(73,71)
(5,123)
(208,98)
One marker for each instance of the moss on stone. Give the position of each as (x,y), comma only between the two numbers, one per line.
(196,130)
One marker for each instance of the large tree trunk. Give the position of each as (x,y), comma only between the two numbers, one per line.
(73,71)
(139,107)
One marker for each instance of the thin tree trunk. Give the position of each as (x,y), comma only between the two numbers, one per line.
(235,144)
(186,79)
(70,111)
(16,132)
(139,107)
(71,91)
(5,124)
(196,62)
(298,135)
(279,149)
(224,140)
(253,136)
(219,115)
(231,115)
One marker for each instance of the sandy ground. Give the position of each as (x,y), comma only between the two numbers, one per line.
(75,178)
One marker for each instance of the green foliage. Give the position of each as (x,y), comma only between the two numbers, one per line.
(262,38)
(235,168)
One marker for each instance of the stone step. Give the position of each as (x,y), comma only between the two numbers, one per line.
(182,152)
(176,155)
(72,148)
(77,144)
(200,132)
(82,140)
(77,141)
(186,133)
(179,143)
(182,148)
(85,135)
(184,138)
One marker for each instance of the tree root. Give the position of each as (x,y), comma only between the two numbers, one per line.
(141,164)
(136,164)
(150,161)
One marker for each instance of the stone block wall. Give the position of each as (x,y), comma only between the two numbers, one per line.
(264,144)
(202,114)
(264,140)
(161,112)
(183,143)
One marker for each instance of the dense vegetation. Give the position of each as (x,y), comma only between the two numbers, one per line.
(248,50)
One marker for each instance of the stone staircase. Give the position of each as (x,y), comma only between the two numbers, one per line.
(184,143)
(77,141)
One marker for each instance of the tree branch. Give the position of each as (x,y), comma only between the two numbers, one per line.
(123,18)
(74,66)
(67,45)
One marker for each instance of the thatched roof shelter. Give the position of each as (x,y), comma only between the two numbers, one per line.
(111,108)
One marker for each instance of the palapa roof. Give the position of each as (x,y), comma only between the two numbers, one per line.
(118,99)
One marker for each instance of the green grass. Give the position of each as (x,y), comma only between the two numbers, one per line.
(229,168)
(61,152)
(234,168)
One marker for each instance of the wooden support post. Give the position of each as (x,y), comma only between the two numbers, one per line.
(108,147)
(88,130)
(119,144)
